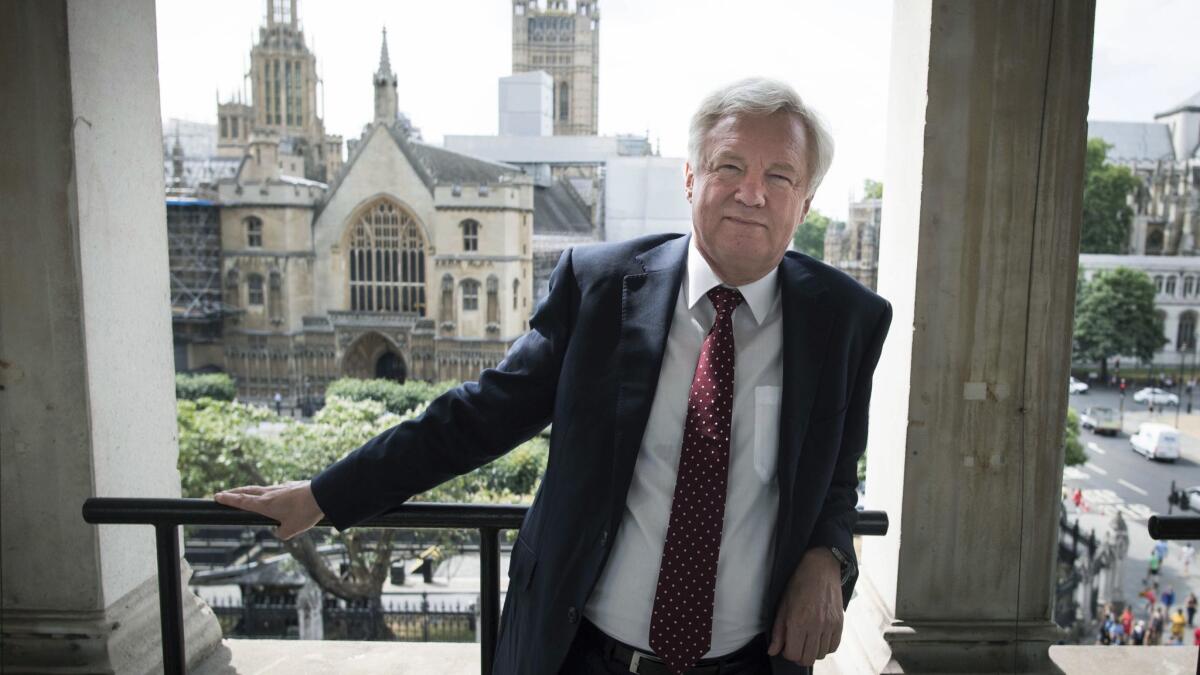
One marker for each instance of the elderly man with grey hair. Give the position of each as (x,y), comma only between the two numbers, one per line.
(709,396)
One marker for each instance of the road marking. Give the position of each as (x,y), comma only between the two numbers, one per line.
(1095,448)
(1136,511)
(1097,469)
(1102,496)
(1133,487)
(1074,473)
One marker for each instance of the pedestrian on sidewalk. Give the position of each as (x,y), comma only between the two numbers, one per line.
(1191,607)
(1168,598)
(1177,624)
(1189,554)
(1196,637)
(1157,623)
(1127,621)
(1160,547)
(1151,597)
(1155,564)
(1138,636)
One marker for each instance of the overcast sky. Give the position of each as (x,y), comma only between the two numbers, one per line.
(657,59)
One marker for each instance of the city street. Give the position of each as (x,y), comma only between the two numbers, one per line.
(1117,476)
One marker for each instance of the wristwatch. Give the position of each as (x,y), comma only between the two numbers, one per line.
(848,566)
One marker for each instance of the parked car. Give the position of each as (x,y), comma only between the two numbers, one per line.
(1100,420)
(1155,396)
(1156,441)
(1078,386)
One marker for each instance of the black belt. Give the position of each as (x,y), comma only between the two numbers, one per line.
(636,661)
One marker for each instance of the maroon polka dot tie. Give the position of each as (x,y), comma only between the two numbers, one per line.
(681,622)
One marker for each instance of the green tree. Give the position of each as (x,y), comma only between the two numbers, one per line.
(224,444)
(872,189)
(211,385)
(1114,315)
(809,237)
(1106,213)
(1073,454)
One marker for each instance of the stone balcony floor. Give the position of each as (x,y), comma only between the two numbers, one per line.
(300,657)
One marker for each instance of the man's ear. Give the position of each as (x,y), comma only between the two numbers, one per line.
(804,211)
(689,180)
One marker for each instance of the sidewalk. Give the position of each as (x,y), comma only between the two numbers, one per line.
(1137,562)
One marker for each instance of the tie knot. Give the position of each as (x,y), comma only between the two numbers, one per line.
(725,300)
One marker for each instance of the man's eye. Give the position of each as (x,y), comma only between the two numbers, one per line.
(779,177)
(728,167)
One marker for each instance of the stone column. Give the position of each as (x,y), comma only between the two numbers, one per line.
(87,404)
(978,254)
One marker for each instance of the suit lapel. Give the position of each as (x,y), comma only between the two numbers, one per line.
(648,296)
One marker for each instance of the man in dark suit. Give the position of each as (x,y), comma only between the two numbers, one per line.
(689,520)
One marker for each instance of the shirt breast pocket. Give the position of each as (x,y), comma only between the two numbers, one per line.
(766,431)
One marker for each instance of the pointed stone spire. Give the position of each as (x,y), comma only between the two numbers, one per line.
(385,64)
(386,107)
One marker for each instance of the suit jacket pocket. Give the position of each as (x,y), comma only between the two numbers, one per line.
(766,431)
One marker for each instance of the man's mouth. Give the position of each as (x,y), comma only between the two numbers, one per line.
(745,221)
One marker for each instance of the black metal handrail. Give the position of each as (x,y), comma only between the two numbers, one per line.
(1174,528)
(166,515)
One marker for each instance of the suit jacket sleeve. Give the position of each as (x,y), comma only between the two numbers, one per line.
(462,429)
(835,523)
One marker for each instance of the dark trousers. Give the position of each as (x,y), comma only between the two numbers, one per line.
(591,654)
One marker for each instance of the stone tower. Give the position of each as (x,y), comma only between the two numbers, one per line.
(283,88)
(563,41)
(385,87)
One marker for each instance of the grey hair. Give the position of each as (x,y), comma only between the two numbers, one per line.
(762,96)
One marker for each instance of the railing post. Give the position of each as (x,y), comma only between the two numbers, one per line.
(170,601)
(489,601)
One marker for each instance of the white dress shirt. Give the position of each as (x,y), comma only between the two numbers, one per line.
(621,603)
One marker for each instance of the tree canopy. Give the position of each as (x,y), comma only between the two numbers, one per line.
(224,444)
(1106,212)
(809,237)
(872,189)
(1115,315)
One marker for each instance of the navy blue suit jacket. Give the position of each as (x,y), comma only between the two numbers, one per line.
(589,364)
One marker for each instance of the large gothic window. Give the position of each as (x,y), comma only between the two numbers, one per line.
(563,101)
(387,261)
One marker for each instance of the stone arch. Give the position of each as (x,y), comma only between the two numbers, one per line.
(373,355)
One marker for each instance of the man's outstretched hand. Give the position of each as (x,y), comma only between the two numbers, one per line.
(808,625)
(292,504)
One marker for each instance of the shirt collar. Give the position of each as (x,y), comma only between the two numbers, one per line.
(759,295)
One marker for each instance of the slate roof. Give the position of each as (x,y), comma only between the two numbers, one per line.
(558,210)
(1134,140)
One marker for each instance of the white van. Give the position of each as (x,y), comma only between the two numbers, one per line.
(1156,441)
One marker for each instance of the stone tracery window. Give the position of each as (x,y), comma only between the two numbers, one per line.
(254,285)
(1185,338)
(254,232)
(387,261)
(470,294)
(470,233)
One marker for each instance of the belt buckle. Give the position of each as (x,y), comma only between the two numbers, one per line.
(635,661)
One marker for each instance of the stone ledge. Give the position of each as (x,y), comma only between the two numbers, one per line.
(1101,659)
(311,657)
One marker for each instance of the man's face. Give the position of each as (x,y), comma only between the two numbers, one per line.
(749,193)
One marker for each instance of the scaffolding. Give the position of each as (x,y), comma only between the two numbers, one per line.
(194,254)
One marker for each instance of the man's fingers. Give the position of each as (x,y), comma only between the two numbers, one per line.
(777,635)
(794,649)
(248,490)
(822,646)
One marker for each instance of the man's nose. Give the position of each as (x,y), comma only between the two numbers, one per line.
(752,191)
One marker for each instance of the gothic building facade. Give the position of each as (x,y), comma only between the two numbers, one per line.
(853,246)
(562,39)
(413,262)
(1165,156)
